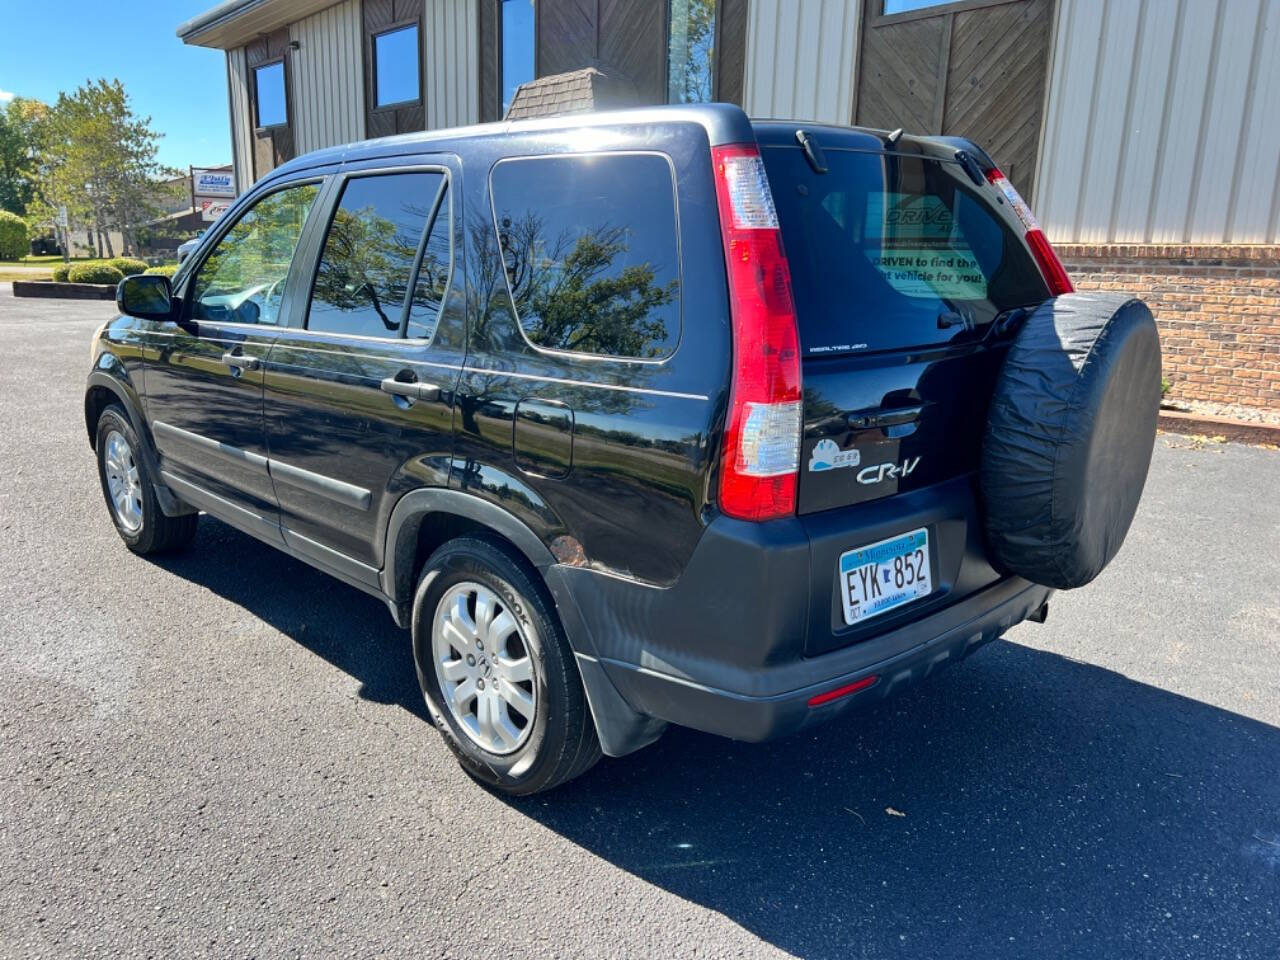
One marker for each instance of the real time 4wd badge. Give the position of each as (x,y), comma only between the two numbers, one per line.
(827,455)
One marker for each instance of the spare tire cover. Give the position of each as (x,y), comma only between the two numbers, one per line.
(1069,440)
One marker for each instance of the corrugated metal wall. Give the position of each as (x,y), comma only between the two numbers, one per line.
(241,124)
(451,69)
(1161,124)
(800,59)
(326,78)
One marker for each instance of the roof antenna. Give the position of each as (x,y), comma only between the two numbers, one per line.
(893,138)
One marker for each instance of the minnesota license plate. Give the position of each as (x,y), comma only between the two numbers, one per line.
(882,576)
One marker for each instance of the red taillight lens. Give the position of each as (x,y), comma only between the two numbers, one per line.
(1051,268)
(761,454)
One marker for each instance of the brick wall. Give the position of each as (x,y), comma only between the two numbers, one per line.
(1218,309)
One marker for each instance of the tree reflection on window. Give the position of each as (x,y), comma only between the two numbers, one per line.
(592,264)
(242,280)
(369,253)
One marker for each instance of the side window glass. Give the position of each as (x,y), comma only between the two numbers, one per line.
(591,253)
(433,276)
(242,280)
(362,282)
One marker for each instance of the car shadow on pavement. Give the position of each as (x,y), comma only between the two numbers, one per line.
(1022,804)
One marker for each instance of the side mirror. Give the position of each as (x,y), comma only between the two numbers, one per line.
(145,296)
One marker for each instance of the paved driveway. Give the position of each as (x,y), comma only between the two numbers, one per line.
(224,753)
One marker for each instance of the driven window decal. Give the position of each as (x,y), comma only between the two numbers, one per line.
(920,253)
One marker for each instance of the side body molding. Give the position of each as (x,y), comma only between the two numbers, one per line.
(620,728)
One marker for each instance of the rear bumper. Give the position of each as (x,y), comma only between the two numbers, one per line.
(920,649)
(753,628)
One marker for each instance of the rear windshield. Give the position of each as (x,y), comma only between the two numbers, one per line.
(890,251)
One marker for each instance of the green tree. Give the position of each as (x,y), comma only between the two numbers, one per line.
(17,157)
(94,155)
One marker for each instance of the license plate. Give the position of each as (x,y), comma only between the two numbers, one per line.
(883,576)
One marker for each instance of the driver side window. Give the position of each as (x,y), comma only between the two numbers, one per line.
(242,280)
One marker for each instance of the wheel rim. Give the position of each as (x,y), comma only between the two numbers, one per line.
(484,669)
(123,483)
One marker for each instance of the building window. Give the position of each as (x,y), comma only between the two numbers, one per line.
(396,65)
(907,6)
(517,47)
(691,51)
(269,96)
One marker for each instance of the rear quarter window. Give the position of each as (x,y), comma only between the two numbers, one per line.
(590,247)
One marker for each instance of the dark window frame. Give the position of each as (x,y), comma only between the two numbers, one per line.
(578,355)
(416,24)
(444,201)
(288,100)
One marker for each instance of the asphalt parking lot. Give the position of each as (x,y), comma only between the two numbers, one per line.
(224,753)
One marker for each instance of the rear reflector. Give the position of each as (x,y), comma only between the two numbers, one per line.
(760,459)
(838,692)
(1051,268)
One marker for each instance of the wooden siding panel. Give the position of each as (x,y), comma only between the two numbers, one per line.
(899,84)
(566,32)
(731,51)
(490,54)
(995,82)
(632,37)
(784,76)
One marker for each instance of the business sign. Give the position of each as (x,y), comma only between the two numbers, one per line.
(211,210)
(213,183)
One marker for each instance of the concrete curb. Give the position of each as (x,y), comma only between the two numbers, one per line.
(64,291)
(1237,431)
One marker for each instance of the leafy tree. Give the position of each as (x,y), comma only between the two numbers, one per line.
(94,155)
(17,156)
(692,57)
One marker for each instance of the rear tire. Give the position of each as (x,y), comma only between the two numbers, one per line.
(497,672)
(131,497)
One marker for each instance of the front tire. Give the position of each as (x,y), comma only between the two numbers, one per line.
(496,671)
(127,488)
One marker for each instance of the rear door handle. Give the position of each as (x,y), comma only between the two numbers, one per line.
(240,361)
(411,389)
(867,419)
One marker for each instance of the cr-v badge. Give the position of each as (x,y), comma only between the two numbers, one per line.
(887,471)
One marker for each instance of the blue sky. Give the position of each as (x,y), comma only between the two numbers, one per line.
(49,47)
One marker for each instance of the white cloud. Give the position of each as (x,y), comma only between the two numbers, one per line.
(5,96)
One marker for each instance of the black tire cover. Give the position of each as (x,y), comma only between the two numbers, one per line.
(1069,440)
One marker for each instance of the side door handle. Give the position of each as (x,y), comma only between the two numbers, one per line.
(401,386)
(239,361)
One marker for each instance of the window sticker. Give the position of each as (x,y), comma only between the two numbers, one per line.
(920,253)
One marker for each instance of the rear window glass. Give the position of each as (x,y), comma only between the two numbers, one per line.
(891,251)
(591,252)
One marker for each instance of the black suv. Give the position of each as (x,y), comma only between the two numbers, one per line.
(657,416)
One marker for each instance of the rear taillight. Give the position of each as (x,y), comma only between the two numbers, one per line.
(1055,274)
(761,455)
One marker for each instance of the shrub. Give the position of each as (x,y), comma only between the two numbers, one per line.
(167,270)
(94,272)
(14,244)
(1165,386)
(60,272)
(128,265)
